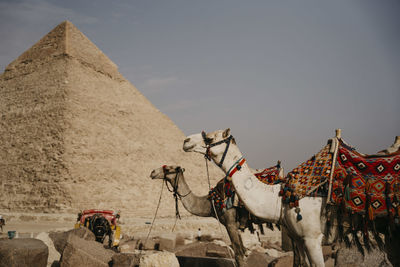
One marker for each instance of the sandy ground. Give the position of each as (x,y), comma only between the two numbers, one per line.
(35,227)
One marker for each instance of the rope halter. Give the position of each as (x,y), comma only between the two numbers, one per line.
(175,186)
(209,145)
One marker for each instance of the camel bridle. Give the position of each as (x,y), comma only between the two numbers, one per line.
(209,145)
(178,170)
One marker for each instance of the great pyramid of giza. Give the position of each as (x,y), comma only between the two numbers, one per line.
(75,134)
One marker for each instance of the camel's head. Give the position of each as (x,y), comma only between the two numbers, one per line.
(167,173)
(199,142)
(213,145)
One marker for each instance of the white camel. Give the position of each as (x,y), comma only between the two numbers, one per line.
(263,200)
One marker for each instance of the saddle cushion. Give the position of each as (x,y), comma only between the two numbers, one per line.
(220,193)
(269,175)
(366,184)
(308,175)
(363,184)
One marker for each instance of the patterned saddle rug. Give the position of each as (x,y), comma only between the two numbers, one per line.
(364,184)
(310,176)
(271,175)
(367,184)
(223,193)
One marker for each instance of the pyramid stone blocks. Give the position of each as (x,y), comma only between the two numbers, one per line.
(75,134)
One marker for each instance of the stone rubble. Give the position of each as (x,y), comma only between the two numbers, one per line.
(78,247)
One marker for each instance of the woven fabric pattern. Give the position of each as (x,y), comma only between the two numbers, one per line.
(367,184)
(269,175)
(308,175)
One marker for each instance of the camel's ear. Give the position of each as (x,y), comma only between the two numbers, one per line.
(183,169)
(225,134)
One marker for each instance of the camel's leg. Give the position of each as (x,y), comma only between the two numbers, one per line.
(243,215)
(233,232)
(296,254)
(299,251)
(314,251)
(308,230)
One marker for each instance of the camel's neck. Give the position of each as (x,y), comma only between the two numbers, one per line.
(196,205)
(260,199)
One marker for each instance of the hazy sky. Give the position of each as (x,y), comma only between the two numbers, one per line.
(283,75)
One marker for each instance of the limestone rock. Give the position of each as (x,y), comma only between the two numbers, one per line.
(125,260)
(128,246)
(257,259)
(159,259)
(60,239)
(282,261)
(149,244)
(185,261)
(250,240)
(54,255)
(180,240)
(167,241)
(273,252)
(23,252)
(64,40)
(201,249)
(81,252)
(346,257)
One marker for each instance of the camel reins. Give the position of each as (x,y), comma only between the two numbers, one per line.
(209,145)
(174,189)
(207,156)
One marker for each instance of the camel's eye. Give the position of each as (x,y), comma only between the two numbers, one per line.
(206,139)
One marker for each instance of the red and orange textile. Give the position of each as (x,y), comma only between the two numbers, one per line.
(363,184)
(269,175)
(307,177)
(367,184)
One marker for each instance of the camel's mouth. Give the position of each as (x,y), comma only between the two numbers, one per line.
(155,175)
(194,143)
(188,147)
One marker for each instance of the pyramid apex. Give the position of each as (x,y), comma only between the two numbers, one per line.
(67,23)
(65,40)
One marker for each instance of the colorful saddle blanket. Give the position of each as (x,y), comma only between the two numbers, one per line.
(223,193)
(363,184)
(308,177)
(270,175)
(367,184)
